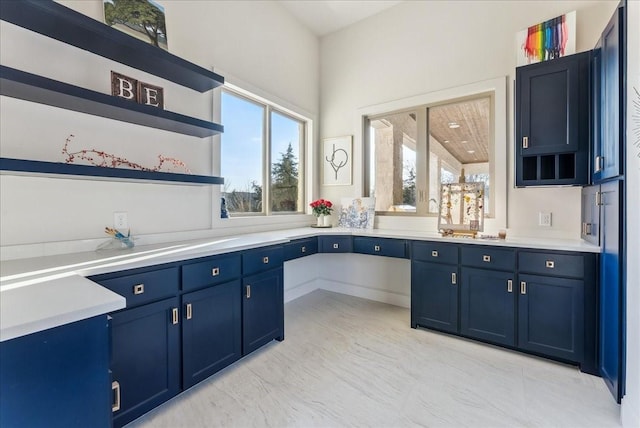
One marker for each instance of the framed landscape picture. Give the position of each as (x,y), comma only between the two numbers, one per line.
(142,19)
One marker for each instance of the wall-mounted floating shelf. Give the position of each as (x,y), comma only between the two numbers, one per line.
(53,20)
(31,87)
(9,166)
(66,25)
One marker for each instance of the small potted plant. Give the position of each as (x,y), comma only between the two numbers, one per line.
(322,208)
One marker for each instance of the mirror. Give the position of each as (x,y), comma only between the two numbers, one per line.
(461,209)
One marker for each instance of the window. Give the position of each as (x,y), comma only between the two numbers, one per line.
(412,152)
(261,154)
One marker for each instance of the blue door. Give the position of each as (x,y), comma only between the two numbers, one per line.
(211,331)
(262,309)
(608,162)
(611,294)
(488,305)
(434,296)
(145,358)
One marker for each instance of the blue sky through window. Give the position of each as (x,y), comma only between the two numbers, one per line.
(242,143)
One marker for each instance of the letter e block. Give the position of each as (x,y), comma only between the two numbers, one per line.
(150,95)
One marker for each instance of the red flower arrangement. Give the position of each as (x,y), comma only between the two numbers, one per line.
(321,207)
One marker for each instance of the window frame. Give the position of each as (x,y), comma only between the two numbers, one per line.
(498,128)
(268,108)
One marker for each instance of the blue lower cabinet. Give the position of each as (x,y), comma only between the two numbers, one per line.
(387,247)
(300,248)
(211,331)
(434,296)
(261,259)
(551,316)
(487,305)
(145,358)
(262,309)
(335,244)
(57,377)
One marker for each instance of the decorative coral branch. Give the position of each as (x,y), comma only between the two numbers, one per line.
(101,158)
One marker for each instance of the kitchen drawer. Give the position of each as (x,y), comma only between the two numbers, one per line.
(554,264)
(435,252)
(213,270)
(261,259)
(145,287)
(388,247)
(490,258)
(300,248)
(335,244)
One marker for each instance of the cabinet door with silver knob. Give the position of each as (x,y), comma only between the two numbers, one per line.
(211,330)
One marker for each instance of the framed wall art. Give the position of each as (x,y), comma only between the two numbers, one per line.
(336,161)
(142,19)
(547,40)
(357,213)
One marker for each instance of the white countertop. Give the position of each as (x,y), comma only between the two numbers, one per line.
(45,292)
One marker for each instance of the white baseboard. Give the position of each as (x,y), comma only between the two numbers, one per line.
(300,290)
(629,414)
(365,292)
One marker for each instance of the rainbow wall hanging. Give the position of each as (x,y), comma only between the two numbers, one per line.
(547,40)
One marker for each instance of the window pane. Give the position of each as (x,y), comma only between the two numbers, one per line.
(286,140)
(392,143)
(459,144)
(241,153)
(412,153)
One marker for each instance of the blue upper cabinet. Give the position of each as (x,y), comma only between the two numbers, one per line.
(58,22)
(607,162)
(552,122)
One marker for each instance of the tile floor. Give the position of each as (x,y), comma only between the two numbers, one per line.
(353,362)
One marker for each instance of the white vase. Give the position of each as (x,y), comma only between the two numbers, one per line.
(326,220)
(320,221)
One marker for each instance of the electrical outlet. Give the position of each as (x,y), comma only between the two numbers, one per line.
(120,220)
(545,219)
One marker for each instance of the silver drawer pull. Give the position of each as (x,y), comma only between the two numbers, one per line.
(303,249)
(336,246)
(138,289)
(189,311)
(486,258)
(265,260)
(598,163)
(376,248)
(174,316)
(434,253)
(215,271)
(248,291)
(510,285)
(550,264)
(454,278)
(523,287)
(115,387)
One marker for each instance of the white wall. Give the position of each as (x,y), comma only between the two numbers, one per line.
(259,43)
(631,402)
(419,47)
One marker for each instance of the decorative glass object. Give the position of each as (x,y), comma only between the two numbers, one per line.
(119,241)
(461,209)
